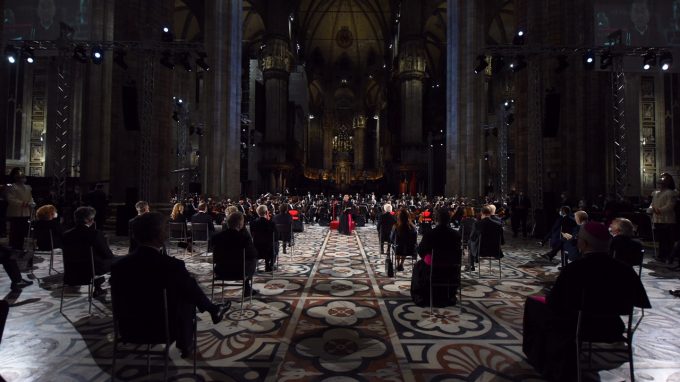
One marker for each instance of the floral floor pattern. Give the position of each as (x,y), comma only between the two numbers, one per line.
(328,313)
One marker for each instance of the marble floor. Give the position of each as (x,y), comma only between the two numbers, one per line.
(329,314)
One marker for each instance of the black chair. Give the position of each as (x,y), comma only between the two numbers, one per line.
(177,233)
(44,235)
(4,313)
(440,277)
(286,235)
(140,320)
(237,281)
(78,271)
(490,258)
(200,234)
(592,309)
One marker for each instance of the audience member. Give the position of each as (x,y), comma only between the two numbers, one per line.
(519,209)
(550,322)
(84,236)
(663,216)
(623,246)
(147,268)
(486,238)
(203,217)
(404,237)
(385,223)
(47,222)
(228,253)
(264,236)
(141,207)
(565,223)
(283,217)
(20,204)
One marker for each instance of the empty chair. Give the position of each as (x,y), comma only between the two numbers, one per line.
(200,236)
(78,271)
(177,234)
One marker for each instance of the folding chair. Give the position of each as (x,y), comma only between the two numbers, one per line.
(78,271)
(237,282)
(150,328)
(442,281)
(286,235)
(200,235)
(490,258)
(177,233)
(44,235)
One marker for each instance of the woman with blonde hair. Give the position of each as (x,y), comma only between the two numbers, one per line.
(177,214)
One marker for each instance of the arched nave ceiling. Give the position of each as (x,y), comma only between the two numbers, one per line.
(188,20)
(500,21)
(434,33)
(253,28)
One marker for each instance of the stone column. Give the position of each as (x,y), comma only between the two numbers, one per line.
(359,142)
(412,63)
(223,39)
(328,133)
(3,100)
(453,165)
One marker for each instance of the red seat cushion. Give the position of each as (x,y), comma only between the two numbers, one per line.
(294,214)
(335,224)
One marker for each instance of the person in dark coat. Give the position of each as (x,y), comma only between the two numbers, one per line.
(47,222)
(550,322)
(519,209)
(284,218)
(486,237)
(84,236)
(623,246)
(404,238)
(12,269)
(440,248)
(346,211)
(264,236)
(228,249)
(147,269)
(565,223)
(385,223)
(141,207)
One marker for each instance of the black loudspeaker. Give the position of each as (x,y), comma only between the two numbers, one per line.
(552,115)
(194,188)
(130,112)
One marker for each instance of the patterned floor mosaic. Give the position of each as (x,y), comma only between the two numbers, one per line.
(329,313)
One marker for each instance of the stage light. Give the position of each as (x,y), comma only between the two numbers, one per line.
(97,54)
(11,54)
(166,60)
(167,35)
(589,60)
(665,60)
(200,62)
(562,64)
(376,117)
(311,116)
(508,104)
(184,60)
(80,54)
(481,64)
(648,60)
(486,157)
(519,37)
(518,64)
(606,60)
(28,54)
(119,59)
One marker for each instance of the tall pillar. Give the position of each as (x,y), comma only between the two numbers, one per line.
(412,63)
(223,39)
(3,100)
(453,164)
(359,142)
(328,133)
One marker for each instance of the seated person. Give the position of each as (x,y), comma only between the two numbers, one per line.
(79,239)
(564,224)
(486,237)
(623,246)
(570,239)
(404,237)
(550,323)
(228,247)
(141,207)
(203,217)
(47,222)
(444,242)
(385,223)
(147,268)
(264,235)
(12,269)
(283,217)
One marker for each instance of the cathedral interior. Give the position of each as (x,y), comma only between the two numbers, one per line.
(566,102)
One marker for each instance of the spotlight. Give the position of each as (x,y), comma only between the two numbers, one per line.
(589,60)
(562,64)
(648,60)
(518,64)
(510,119)
(200,62)
(167,35)
(665,60)
(97,54)
(80,54)
(166,60)
(119,59)
(311,116)
(184,60)
(519,37)
(508,104)
(606,60)
(486,157)
(11,54)
(481,64)
(28,54)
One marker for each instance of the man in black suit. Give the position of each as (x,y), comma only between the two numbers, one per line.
(443,244)
(623,246)
(284,218)
(228,249)
(264,235)
(486,238)
(606,284)
(148,268)
(385,223)
(80,238)
(202,216)
(141,207)
(519,208)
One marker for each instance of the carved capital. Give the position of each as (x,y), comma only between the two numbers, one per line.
(412,61)
(276,57)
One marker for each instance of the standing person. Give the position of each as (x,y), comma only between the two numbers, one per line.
(385,223)
(283,217)
(97,199)
(663,215)
(20,203)
(404,237)
(263,231)
(346,218)
(520,206)
(12,269)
